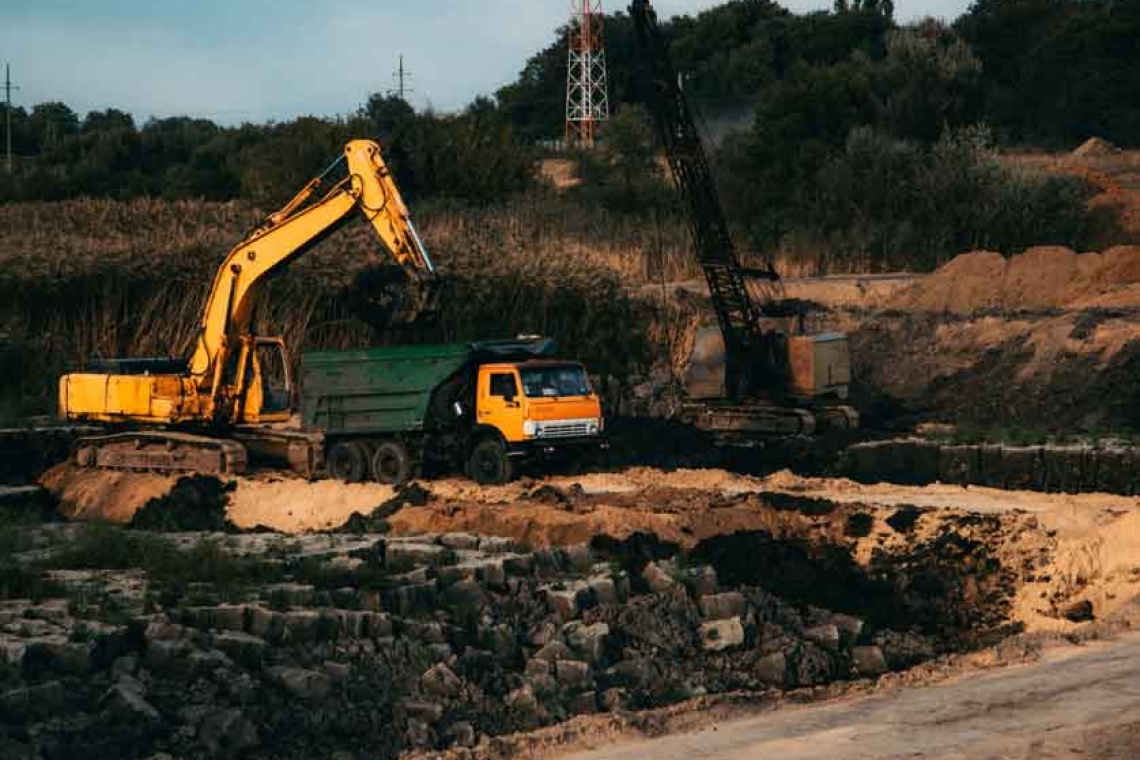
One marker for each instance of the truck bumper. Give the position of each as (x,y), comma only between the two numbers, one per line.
(555,446)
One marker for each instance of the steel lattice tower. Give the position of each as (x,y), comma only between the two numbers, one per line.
(587,101)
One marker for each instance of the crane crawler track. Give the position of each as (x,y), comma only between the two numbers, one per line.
(161,451)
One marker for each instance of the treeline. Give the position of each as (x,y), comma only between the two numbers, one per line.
(1048,72)
(841,137)
(472,156)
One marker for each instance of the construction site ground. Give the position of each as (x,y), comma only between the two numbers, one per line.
(996,621)
(683,610)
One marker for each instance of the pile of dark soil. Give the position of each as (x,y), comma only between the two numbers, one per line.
(376,521)
(196,503)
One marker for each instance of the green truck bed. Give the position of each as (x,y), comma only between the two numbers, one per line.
(377,390)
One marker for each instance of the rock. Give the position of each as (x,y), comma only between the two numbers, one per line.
(227,733)
(704,581)
(868,660)
(542,634)
(338,671)
(309,685)
(587,640)
(827,636)
(578,557)
(300,626)
(519,565)
(659,579)
(722,606)
(772,669)
(28,702)
(555,650)
(429,712)
(497,545)
(460,541)
(465,596)
(1078,612)
(12,651)
(265,623)
(718,635)
(583,703)
(441,681)
(572,673)
(903,650)
(125,700)
(522,700)
(461,734)
(126,665)
(565,602)
(401,555)
(636,673)
(604,590)
(291,594)
(615,699)
(57,654)
(537,667)
(242,647)
(850,628)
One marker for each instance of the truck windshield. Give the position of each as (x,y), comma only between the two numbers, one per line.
(563,380)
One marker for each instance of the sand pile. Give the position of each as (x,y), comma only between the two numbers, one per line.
(1050,277)
(1094,147)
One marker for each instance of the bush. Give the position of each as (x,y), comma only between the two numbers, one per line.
(885,204)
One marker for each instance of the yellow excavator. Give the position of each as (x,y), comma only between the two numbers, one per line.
(188,416)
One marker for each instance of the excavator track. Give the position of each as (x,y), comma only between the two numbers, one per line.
(840,417)
(751,422)
(161,451)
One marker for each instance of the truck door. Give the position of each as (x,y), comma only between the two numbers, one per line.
(500,401)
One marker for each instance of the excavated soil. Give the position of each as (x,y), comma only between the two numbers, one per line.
(1052,550)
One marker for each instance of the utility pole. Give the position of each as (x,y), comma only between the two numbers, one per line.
(400,75)
(8,87)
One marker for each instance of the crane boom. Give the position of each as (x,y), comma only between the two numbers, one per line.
(747,347)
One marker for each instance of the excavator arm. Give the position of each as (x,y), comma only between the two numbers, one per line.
(287,234)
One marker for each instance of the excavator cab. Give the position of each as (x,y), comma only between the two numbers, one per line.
(264,382)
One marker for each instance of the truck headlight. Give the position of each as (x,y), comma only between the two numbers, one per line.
(592,428)
(530,428)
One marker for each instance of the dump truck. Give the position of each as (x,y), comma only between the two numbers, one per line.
(484,408)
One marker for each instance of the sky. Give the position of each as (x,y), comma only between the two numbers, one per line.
(260,60)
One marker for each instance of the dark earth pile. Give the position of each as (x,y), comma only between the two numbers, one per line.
(195,503)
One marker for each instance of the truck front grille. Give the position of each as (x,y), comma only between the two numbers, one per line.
(567,429)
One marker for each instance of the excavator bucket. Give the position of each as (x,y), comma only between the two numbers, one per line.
(389,297)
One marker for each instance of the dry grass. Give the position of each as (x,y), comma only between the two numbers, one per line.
(93,279)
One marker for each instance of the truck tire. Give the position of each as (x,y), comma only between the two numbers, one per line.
(489,464)
(348,461)
(392,463)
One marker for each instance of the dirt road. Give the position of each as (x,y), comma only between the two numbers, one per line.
(1079,702)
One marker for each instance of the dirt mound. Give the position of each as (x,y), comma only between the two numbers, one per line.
(196,503)
(1049,277)
(105,495)
(1095,147)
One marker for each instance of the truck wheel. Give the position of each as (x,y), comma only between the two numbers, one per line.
(489,464)
(392,463)
(348,461)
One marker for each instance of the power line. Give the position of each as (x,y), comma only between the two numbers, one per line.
(8,87)
(400,75)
